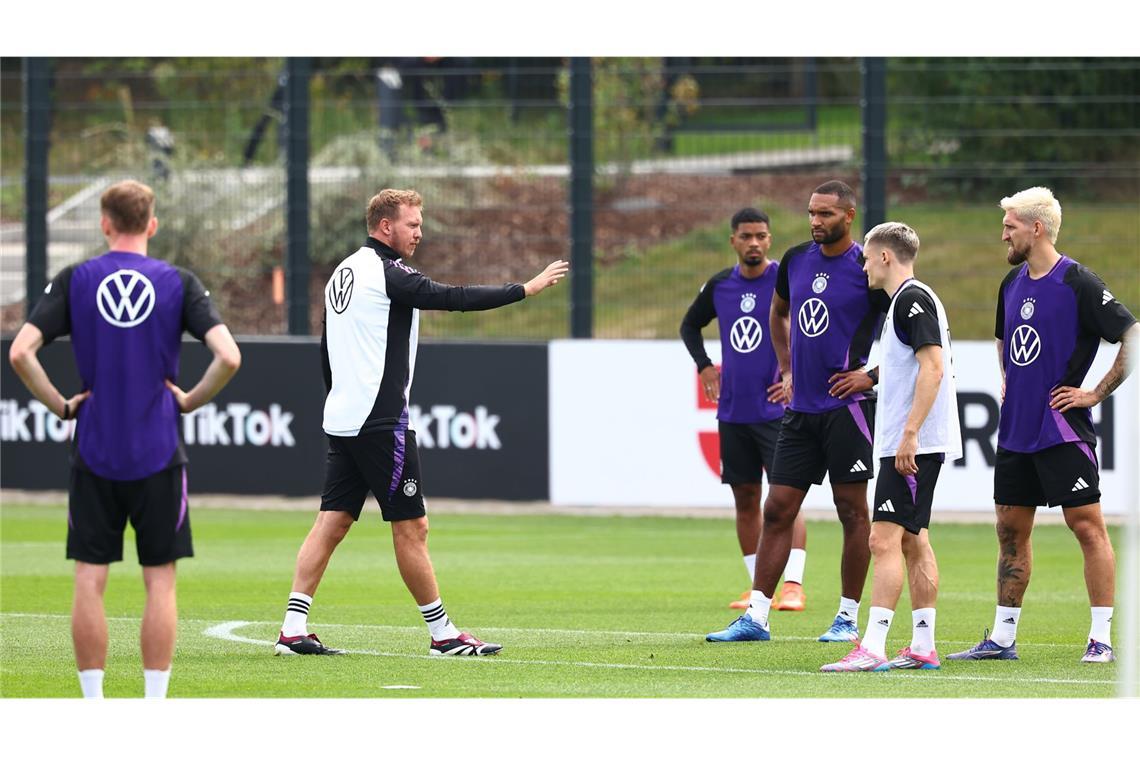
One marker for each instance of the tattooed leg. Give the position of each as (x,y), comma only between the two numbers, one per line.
(1015,553)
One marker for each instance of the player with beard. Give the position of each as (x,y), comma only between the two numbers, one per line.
(822,322)
(369,343)
(746,389)
(1051,316)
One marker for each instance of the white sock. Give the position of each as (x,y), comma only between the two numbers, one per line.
(878,624)
(1005,625)
(438,623)
(794,570)
(297,615)
(1101,625)
(922,631)
(91,682)
(759,607)
(848,609)
(750,564)
(155,683)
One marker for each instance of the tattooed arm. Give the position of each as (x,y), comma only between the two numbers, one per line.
(1066,398)
(1001,367)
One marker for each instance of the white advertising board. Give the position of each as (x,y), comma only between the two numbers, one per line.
(628,429)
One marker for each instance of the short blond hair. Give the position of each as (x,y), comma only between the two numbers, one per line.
(386,205)
(1036,204)
(897,236)
(128,205)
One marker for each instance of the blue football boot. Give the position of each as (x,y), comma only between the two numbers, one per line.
(744,628)
(841,629)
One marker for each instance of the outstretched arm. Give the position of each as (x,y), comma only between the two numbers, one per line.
(554,272)
(27,365)
(1065,398)
(227,359)
(412,288)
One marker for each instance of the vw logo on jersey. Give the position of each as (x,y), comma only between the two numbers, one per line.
(1025,346)
(748,302)
(125,298)
(813,317)
(746,335)
(340,289)
(1027,308)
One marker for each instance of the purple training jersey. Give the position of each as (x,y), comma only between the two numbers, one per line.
(834,320)
(126,313)
(748,362)
(1050,329)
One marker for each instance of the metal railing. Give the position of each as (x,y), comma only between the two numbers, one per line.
(678,145)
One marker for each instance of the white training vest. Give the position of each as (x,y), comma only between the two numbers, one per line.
(898,370)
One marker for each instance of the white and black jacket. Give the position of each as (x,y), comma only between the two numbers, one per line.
(370,334)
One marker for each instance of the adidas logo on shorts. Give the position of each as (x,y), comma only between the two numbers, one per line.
(886,506)
(858,466)
(1080,485)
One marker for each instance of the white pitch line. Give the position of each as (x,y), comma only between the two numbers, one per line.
(225,631)
(583,632)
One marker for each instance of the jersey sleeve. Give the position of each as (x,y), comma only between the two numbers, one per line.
(1099,311)
(701,311)
(782,288)
(199,315)
(410,287)
(916,319)
(52,313)
(999,320)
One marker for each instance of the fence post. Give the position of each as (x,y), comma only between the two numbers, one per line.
(581,199)
(873,105)
(296,129)
(37,129)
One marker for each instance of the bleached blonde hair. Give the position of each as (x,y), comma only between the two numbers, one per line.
(897,236)
(1036,204)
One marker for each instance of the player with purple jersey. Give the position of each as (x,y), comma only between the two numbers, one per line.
(822,322)
(1052,313)
(126,314)
(746,388)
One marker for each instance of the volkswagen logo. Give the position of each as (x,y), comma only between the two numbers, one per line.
(125,298)
(813,317)
(746,335)
(1025,346)
(340,289)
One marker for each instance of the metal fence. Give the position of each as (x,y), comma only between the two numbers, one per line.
(679,144)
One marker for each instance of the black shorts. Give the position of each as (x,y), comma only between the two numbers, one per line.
(157,507)
(906,500)
(1066,475)
(836,442)
(746,450)
(386,463)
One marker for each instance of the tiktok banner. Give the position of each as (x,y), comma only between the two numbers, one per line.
(630,427)
(480,412)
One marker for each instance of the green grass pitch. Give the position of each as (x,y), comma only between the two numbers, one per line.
(584,606)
